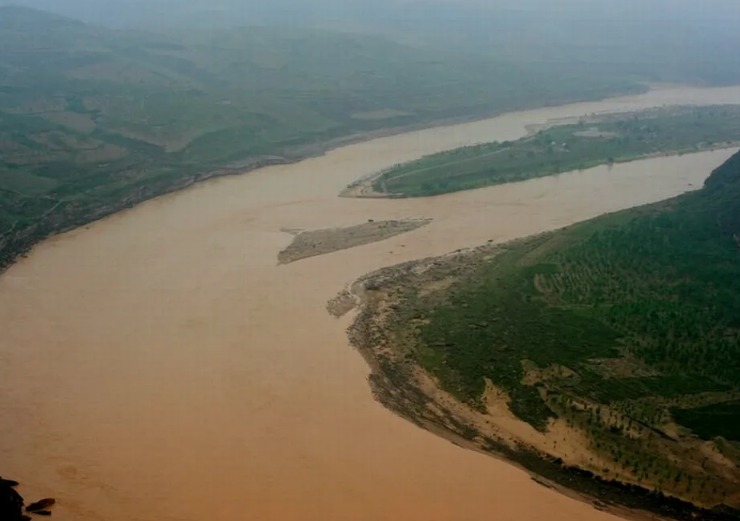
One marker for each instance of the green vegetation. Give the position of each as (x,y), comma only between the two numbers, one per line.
(93,120)
(588,143)
(626,327)
(719,419)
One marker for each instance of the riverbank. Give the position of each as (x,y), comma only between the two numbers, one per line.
(463,345)
(403,386)
(60,217)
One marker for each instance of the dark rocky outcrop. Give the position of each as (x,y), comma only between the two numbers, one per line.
(11,503)
(41,505)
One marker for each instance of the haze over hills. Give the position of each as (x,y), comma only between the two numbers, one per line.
(667,40)
(93,119)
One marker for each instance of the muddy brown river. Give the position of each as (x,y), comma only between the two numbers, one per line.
(160,366)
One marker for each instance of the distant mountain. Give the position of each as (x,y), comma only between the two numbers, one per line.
(672,40)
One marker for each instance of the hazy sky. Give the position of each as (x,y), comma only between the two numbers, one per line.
(619,8)
(471,23)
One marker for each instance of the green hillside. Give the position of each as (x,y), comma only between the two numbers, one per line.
(92,120)
(625,327)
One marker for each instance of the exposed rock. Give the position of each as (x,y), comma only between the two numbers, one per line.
(8,482)
(40,505)
(11,502)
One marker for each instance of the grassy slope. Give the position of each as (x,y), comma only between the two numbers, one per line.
(626,326)
(92,120)
(565,147)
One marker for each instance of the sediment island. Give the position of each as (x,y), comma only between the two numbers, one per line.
(603,357)
(311,243)
(559,146)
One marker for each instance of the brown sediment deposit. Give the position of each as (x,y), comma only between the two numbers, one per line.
(159,365)
(320,242)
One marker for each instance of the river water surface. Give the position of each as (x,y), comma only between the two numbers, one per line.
(159,365)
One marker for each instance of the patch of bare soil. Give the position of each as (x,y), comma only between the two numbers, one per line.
(363,189)
(596,133)
(320,242)
(375,115)
(342,304)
